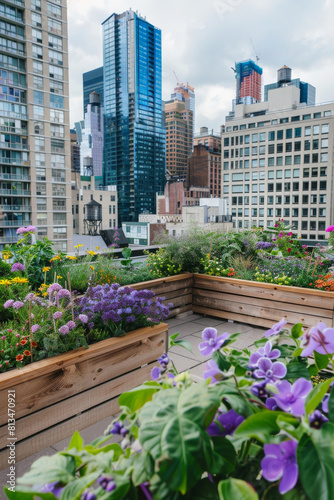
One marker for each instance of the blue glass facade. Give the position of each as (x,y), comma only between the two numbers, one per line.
(307,91)
(92,81)
(134,137)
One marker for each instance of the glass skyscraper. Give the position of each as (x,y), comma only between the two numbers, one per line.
(92,81)
(134,133)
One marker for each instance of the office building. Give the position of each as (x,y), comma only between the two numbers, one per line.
(90,137)
(75,151)
(35,170)
(92,81)
(185,93)
(248,82)
(179,138)
(307,91)
(134,133)
(277,161)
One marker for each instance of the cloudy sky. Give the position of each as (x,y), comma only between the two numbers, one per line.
(201,40)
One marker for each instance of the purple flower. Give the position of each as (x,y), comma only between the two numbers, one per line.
(211,341)
(292,398)
(280,462)
(270,371)
(329,229)
(55,287)
(155,373)
(271,404)
(8,303)
(83,318)
(163,360)
(64,329)
(21,230)
(62,294)
(211,370)
(34,328)
(259,389)
(3,337)
(264,352)
(31,228)
(18,304)
(118,428)
(88,495)
(71,325)
(107,483)
(57,315)
(274,330)
(17,266)
(229,421)
(317,419)
(320,338)
(54,488)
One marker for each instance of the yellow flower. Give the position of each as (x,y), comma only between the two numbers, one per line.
(6,255)
(71,257)
(19,280)
(92,268)
(46,269)
(79,245)
(5,282)
(59,277)
(91,252)
(97,248)
(56,257)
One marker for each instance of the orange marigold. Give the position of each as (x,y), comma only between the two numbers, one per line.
(23,342)
(19,357)
(33,344)
(27,353)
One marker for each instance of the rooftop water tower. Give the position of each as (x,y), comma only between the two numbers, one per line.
(93,220)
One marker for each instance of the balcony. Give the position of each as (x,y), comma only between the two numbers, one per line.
(15,208)
(20,3)
(14,177)
(9,161)
(15,192)
(59,222)
(9,239)
(10,145)
(14,223)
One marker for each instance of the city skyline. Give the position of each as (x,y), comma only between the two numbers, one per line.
(205,61)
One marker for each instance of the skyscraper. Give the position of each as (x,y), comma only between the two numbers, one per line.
(90,137)
(92,81)
(179,137)
(134,133)
(186,94)
(307,91)
(35,161)
(248,82)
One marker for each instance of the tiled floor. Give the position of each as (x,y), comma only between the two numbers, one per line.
(190,328)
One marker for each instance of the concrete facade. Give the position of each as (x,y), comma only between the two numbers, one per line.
(179,137)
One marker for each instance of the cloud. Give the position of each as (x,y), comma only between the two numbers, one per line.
(202,40)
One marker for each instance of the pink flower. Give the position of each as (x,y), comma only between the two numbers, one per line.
(289,250)
(330,229)
(280,235)
(290,234)
(276,225)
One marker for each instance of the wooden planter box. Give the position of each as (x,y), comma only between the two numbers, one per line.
(56,396)
(176,289)
(261,304)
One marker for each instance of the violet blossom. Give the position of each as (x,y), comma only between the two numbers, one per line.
(316,419)
(34,328)
(88,495)
(320,338)
(54,488)
(212,370)
(107,483)
(229,421)
(17,266)
(163,360)
(83,318)
(211,342)
(71,325)
(280,462)
(274,330)
(155,373)
(270,371)
(264,352)
(18,304)
(55,287)
(259,389)
(291,398)
(8,303)
(57,315)
(64,329)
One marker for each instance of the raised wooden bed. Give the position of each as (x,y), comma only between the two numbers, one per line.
(56,396)
(261,304)
(176,289)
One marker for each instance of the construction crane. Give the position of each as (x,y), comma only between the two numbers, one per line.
(256,55)
(178,81)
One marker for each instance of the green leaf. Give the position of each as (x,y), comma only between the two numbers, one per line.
(76,442)
(314,398)
(297,370)
(173,431)
(137,397)
(260,426)
(50,469)
(313,370)
(174,336)
(204,490)
(25,495)
(321,360)
(331,405)
(181,343)
(231,489)
(115,447)
(290,425)
(222,361)
(297,330)
(239,371)
(297,352)
(74,489)
(315,457)
(143,468)
(224,456)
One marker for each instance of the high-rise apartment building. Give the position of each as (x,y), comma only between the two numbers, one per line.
(186,94)
(179,138)
(307,91)
(134,132)
(92,81)
(248,82)
(90,137)
(35,162)
(277,159)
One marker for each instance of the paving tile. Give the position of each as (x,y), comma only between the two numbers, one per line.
(179,321)
(198,370)
(90,433)
(209,321)
(182,363)
(195,354)
(21,467)
(185,329)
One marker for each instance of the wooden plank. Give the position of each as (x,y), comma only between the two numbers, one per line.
(181,300)
(162,281)
(274,315)
(294,295)
(64,430)
(255,301)
(14,377)
(53,387)
(180,310)
(58,412)
(241,318)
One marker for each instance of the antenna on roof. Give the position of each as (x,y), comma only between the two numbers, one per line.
(256,55)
